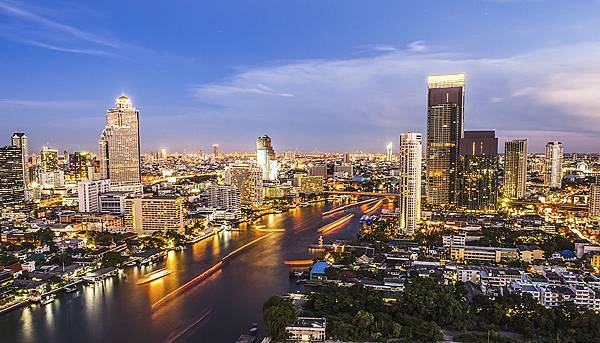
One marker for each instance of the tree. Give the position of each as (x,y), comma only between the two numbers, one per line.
(363,319)
(278,313)
(113,259)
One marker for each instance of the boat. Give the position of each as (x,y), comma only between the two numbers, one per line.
(71,289)
(45,300)
(254,329)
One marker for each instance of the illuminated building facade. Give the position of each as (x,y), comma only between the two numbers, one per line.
(477,182)
(151,214)
(310,184)
(553,165)
(594,201)
(248,180)
(12,187)
(226,197)
(79,166)
(445,116)
(411,151)
(88,194)
(389,151)
(266,159)
(515,168)
(120,143)
(49,160)
(19,139)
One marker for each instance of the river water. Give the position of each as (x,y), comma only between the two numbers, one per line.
(216,309)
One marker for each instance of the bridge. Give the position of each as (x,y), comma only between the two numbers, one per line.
(179,177)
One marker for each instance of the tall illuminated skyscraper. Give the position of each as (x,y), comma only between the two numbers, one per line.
(515,168)
(216,151)
(410,181)
(553,165)
(594,201)
(445,116)
(12,187)
(248,181)
(49,160)
(19,139)
(477,181)
(120,144)
(265,157)
(389,151)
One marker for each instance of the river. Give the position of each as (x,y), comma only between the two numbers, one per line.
(216,309)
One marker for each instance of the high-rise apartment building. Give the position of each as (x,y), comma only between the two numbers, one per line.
(389,151)
(226,197)
(477,181)
(49,160)
(410,181)
(310,184)
(594,201)
(318,170)
(120,143)
(216,151)
(266,159)
(445,116)
(248,180)
(515,168)
(152,214)
(88,194)
(19,139)
(79,166)
(553,165)
(12,187)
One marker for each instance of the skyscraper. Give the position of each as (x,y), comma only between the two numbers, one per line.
(12,187)
(515,168)
(49,160)
(265,157)
(120,143)
(477,181)
(216,151)
(553,165)
(248,180)
(410,181)
(19,139)
(389,151)
(445,116)
(79,165)
(594,201)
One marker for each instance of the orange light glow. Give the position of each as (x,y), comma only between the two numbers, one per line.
(336,224)
(297,262)
(188,284)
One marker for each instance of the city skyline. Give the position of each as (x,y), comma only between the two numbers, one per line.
(348,86)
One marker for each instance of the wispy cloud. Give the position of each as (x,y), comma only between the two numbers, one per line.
(417,46)
(385,95)
(31,28)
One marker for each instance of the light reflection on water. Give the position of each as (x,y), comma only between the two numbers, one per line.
(118,308)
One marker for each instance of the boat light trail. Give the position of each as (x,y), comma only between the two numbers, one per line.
(188,284)
(157,274)
(297,262)
(261,228)
(245,246)
(206,273)
(336,224)
(174,337)
(337,209)
(374,207)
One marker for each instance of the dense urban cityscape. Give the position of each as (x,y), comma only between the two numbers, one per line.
(447,234)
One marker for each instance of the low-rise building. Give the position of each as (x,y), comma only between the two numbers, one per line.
(306,329)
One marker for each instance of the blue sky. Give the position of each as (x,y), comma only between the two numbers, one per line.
(314,75)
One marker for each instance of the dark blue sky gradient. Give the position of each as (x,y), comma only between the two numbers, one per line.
(315,75)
